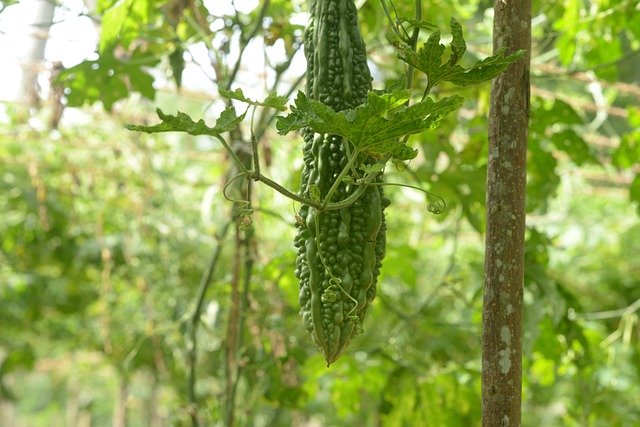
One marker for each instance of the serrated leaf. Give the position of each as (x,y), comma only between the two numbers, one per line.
(428,59)
(107,79)
(484,70)
(182,122)
(396,84)
(458,45)
(272,101)
(375,127)
(123,21)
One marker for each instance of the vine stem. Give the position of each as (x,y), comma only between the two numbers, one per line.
(244,42)
(342,174)
(413,41)
(388,15)
(233,155)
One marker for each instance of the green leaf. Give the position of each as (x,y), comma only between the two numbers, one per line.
(272,101)
(628,152)
(375,127)
(18,358)
(458,45)
(121,23)
(428,59)
(542,177)
(6,3)
(107,79)
(568,27)
(176,61)
(181,122)
(395,84)
(634,191)
(634,117)
(483,70)
(574,146)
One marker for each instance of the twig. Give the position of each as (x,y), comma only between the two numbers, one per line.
(205,281)
(245,42)
(245,242)
(612,314)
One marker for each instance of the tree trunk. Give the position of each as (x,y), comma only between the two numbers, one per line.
(504,244)
(120,404)
(33,57)
(7,412)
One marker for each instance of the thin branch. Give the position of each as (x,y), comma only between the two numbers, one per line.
(245,242)
(244,42)
(205,281)
(389,18)
(612,314)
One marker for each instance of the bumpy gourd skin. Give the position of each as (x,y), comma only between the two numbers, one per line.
(339,252)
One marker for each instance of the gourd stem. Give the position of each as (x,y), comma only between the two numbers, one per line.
(354,196)
(280,189)
(338,180)
(348,151)
(254,146)
(346,202)
(413,42)
(233,155)
(257,176)
(399,184)
(391,22)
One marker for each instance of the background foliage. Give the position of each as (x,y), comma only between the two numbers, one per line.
(106,233)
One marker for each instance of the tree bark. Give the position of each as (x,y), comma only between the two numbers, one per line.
(33,56)
(120,403)
(504,244)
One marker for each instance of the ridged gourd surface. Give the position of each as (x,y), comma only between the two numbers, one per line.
(339,252)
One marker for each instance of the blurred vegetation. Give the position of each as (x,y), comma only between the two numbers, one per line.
(106,235)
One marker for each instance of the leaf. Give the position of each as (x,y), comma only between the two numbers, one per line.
(574,146)
(176,61)
(399,83)
(428,59)
(181,122)
(568,26)
(634,191)
(484,70)
(628,152)
(542,178)
(18,358)
(375,127)
(121,23)
(107,79)
(458,45)
(272,101)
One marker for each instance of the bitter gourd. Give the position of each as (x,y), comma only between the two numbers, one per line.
(339,252)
